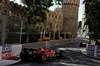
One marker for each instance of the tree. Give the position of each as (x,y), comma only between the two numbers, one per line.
(35,10)
(93,17)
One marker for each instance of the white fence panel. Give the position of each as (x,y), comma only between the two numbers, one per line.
(16,49)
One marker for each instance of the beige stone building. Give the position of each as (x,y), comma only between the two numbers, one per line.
(13,8)
(62,19)
(53,23)
(54,20)
(70,16)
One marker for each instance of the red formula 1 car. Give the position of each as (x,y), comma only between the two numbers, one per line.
(41,54)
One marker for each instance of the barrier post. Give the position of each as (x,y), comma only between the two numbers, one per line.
(21,30)
(3,34)
(95,51)
(49,34)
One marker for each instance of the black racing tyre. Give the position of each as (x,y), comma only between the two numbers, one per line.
(42,57)
(62,54)
(24,56)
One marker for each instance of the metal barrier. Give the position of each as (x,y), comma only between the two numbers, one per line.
(93,50)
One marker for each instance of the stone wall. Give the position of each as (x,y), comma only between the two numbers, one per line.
(70,16)
(13,8)
(62,19)
(53,23)
(54,20)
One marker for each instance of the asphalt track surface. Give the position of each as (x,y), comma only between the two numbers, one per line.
(75,57)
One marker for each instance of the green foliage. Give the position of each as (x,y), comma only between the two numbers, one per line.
(58,2)
(30,33)
(93,17)
(35,9)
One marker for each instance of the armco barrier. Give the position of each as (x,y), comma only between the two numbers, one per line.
(50,43)
(34,45)
(93,50)
(13,50)
(60,42)
(8,51)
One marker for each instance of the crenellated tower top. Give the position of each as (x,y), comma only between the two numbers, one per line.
(71,2)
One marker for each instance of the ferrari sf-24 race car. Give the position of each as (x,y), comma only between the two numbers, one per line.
(41,54)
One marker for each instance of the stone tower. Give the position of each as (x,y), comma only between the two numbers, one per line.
(70,16)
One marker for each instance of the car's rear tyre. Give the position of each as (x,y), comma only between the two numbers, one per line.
(62,54)
(42,58)
(24,56)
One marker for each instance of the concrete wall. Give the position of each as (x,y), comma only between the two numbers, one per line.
(16,49)
(48,43)
(8,51)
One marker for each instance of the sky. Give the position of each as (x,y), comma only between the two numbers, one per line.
(55,6)
(80,11)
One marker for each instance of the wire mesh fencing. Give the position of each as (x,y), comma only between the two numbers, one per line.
(10,28)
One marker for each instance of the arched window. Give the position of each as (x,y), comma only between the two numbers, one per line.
(49,15)
(52,16)
(55,16)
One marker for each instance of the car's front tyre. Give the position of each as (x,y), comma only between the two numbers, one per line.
(42,58)
(62,54)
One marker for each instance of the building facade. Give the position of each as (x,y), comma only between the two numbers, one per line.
(62,19)
(53,23)
(54,20)
(84,28)
(70,16)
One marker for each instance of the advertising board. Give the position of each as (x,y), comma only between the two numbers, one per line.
(6,52)
(98,51)
(91,50)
